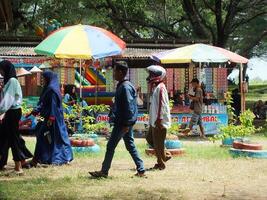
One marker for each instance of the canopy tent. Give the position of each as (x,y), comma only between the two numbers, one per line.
(81,42)
(22,72)
(36,70)
(199,53)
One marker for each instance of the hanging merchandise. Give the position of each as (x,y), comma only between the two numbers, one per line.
(169,80)
(110,83)
(208,78)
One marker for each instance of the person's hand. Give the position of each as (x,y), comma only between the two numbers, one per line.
(1,118)
(159,124)
(125,129)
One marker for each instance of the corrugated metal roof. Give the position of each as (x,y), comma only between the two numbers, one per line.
(29,51)
(17,51)
(139,52)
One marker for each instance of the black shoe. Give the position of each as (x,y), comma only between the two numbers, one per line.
(141,175)
(98,174)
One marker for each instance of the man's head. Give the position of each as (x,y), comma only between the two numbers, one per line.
(120,70)
(195,82)
(156,73)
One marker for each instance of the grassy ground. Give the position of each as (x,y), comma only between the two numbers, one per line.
(206,171)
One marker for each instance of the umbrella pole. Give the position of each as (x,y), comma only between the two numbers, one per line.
(81,79)
(96,95)
(242,89)
(199,72)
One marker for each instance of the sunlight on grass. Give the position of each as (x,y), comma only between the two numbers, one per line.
(202,172)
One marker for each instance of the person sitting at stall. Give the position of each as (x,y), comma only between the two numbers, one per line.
(236,104)
(259,110)
(178,98)
(53,144)
(70,97)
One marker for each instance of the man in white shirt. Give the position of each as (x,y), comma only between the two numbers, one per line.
(159,114)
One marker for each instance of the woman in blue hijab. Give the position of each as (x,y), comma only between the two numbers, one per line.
(53,144)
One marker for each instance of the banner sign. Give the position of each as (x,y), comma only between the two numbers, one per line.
(211,122)
(26,62)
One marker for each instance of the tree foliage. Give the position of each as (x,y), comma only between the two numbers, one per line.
(239,25)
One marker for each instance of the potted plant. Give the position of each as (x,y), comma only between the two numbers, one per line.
(237,132)
(172,141)
(81,121)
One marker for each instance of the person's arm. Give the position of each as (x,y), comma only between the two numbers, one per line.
(127,107)
(163,100)
(8,95)
(197,95)
(53,108)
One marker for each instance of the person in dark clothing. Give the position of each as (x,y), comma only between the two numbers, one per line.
(124,115)
(236,102)
(70,96)
(10,112)
(53,144)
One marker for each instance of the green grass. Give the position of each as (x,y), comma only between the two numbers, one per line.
(202,172)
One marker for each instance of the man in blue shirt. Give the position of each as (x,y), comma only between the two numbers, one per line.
(124,117)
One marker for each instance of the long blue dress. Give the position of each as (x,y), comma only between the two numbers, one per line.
(53,144)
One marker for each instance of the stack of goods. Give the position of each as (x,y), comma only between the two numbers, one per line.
(215,82)
(142,75)
(133,77)
(110,83)
(209,82)
(138,78)
(169,80)
(187,79)
(179,79)
(66,75)
(221,82)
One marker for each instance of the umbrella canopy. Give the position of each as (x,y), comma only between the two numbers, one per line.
(22,72)
(198,53)
(36,70)
(81,42)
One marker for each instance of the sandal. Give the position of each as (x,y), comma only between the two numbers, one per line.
(159,167)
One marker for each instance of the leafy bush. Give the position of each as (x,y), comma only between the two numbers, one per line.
(86,116)
(246,127)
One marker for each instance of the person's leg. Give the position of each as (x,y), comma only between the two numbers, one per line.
(4,154)
(130,146)
(114,139)
(159,136)
(149,137)
(193,121)
(201,127)
(16,142)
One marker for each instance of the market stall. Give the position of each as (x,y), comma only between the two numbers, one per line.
(207,63)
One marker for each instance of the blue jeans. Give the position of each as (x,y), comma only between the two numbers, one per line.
(114,139)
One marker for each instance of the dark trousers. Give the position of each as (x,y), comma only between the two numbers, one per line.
(155,138)
(114,139)
(11,138)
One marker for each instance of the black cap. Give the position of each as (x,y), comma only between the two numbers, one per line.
(195,80)
(121,65)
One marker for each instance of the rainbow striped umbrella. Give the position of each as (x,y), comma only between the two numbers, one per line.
(198,53)
(81,42)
